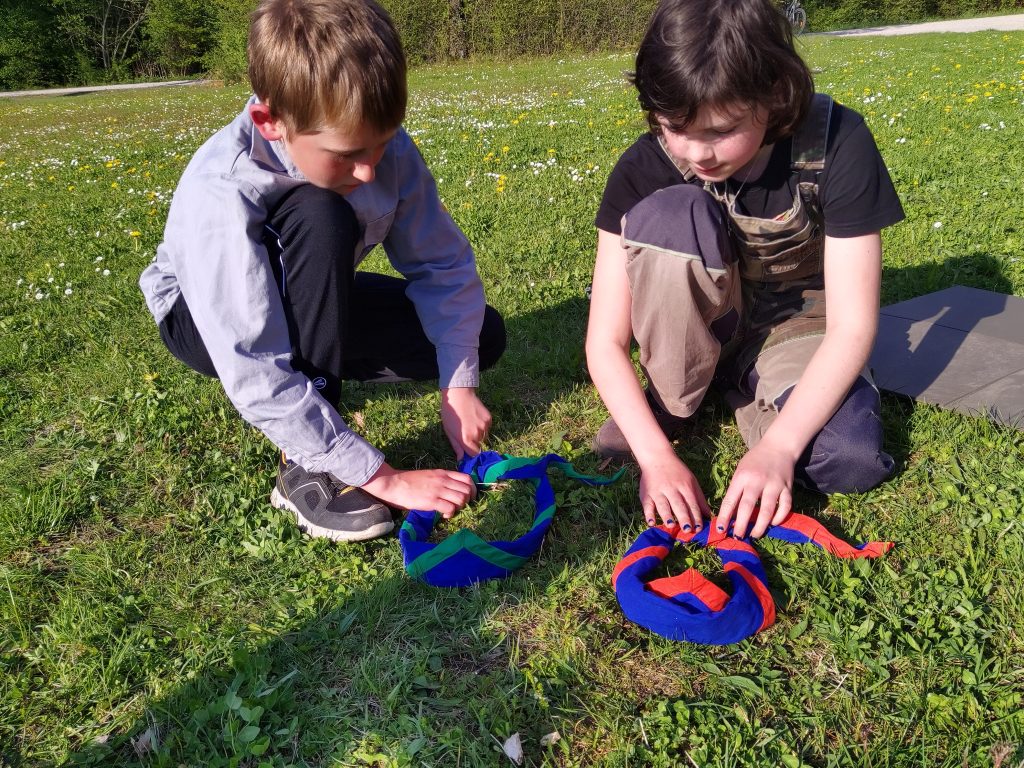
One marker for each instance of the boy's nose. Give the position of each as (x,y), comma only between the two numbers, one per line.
(364,172)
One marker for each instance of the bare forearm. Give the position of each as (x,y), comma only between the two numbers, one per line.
(612,373)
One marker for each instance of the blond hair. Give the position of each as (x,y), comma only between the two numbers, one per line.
(327,63)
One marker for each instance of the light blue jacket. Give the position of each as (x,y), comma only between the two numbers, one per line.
(213,255)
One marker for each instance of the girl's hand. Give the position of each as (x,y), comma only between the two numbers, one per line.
(465,419)
(763,482)
(669,490)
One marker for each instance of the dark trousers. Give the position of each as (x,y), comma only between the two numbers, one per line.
(342,324)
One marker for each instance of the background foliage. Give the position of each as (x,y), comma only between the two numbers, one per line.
(71,42)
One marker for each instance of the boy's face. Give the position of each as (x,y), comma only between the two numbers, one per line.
(340,161)
(719,143)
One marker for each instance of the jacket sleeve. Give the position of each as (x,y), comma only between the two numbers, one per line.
(427,247)
(214,238)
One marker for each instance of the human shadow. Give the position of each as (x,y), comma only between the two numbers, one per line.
(393,663)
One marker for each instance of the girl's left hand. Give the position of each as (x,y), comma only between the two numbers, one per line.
(761,488)
(465,419)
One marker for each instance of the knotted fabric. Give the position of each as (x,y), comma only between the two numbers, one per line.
(689,607)
(464,558)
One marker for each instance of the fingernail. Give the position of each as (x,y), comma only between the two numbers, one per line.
(670,521)
(719,528)
(650,522)
(686,527)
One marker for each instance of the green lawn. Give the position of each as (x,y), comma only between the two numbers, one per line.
(149,595)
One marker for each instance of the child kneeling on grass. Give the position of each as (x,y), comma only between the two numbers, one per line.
(255,281)
(739,241)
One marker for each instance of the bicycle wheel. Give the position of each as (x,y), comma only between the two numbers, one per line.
(799,20)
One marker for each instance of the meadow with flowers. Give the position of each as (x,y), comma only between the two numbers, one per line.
(156,611)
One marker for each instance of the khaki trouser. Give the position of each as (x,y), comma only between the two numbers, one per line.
(688,319)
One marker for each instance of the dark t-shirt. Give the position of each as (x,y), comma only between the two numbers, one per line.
(856,193)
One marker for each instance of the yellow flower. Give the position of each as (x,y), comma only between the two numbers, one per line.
(135,233)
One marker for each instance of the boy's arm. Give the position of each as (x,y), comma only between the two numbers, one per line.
(853,269)
(426,246)
(214,242)
(667,487)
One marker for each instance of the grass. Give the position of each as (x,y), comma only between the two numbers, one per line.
(154,610)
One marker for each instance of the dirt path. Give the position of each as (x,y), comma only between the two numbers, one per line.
(1001,23)
(91,88)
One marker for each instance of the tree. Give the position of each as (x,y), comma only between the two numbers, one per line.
(179,34)
(108,31)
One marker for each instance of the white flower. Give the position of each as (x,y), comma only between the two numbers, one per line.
(937,225)
(39,295)
(106,272)
(67,291)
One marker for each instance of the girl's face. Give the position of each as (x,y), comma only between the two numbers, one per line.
(719,143)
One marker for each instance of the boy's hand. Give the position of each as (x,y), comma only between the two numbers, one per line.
(465,419)
(763,480)
(427,489)
(669,489)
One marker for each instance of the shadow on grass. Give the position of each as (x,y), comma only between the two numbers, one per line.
(395,671)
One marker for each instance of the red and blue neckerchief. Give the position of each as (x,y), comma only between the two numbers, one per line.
(464,558)
(689,607)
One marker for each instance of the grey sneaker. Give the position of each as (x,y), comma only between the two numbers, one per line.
(327,508)
(610,443)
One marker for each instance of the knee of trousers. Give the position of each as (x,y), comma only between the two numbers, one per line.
(316,216)
(847,456)
(681,220)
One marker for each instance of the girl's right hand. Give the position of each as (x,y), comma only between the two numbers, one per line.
(669,490)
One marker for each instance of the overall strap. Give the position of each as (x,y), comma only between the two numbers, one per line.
(810,142)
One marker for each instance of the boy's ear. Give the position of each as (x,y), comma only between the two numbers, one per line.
(270,127)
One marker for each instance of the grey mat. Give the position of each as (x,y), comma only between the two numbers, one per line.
(960,348)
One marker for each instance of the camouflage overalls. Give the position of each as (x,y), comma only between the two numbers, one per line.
(716,294)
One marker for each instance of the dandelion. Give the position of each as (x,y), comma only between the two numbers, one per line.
(135,233)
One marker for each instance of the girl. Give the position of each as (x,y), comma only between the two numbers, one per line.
(739,241)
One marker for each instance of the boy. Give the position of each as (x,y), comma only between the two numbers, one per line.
(255,280)
(740,240)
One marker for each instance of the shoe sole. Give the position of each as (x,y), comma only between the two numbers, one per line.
(319,532)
